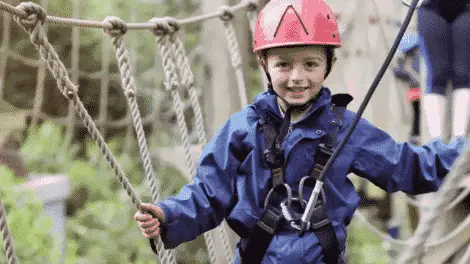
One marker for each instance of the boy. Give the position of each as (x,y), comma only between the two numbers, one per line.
(258,171)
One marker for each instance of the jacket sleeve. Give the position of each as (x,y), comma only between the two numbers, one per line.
(202,204)
(403,167)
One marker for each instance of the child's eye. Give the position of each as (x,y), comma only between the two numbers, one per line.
(282,64)
(311,64)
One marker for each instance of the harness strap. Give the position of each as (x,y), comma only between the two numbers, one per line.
(272,217)
(321,225)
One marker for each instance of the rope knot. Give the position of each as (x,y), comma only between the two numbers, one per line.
(130,93)
(226,13)
(35,15)
(119,27)
(252,5)
(164,26)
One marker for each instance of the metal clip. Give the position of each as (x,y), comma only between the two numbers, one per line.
(289,195)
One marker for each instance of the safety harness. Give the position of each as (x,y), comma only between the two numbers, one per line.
(277,212)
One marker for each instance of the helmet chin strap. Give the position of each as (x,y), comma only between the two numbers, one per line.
(297,108)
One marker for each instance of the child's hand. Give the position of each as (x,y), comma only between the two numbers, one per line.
(148,224)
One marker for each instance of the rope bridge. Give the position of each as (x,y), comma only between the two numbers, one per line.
(32,18)
(176,67)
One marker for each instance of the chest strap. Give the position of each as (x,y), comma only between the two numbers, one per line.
(272,216)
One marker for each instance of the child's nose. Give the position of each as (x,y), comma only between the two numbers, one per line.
(297,75)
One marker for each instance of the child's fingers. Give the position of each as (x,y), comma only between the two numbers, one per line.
(150,230)
(142,217)
(153,234)
(147,224)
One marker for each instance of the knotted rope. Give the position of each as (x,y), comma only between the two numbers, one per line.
(235,56)
(7,239)
(128,84)
(445,194)
(162,33)
(188,81)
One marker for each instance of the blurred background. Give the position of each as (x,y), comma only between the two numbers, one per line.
(63,202)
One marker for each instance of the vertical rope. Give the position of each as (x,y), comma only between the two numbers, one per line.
(4,49)
(75,73)
(252,15)
(188,81)
(33,25)
(39,93)
(129,138)
(444,196)
(104,88)
(128,84)
(171,85)
(234,50)
(7,239)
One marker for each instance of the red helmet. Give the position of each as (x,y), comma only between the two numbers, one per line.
(295,22)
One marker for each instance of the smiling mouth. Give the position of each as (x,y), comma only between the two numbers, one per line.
(297,90)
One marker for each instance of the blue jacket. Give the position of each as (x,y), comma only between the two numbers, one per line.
(232,181)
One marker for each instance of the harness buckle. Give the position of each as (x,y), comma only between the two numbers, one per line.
(298,227)
(273,158)
(323,154)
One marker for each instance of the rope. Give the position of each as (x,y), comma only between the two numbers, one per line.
(7,239)
(466,257)
(252,15)
(32,24)
(75,74)
(236,58)
(188,81)
(405,243)
(444,196)
(129,86)
(172,84)
(463,194)
(162,29)
(72,22)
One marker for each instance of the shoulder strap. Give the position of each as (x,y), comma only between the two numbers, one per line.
(322,226)
(339,103)
(266,227)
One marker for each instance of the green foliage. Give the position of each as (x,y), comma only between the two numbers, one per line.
(103,230)
(30,229)
(364,246)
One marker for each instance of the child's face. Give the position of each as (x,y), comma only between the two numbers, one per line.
(297,72)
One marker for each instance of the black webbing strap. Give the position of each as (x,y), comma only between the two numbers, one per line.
(261,236)
(326,235)
(272,217)
(321,225)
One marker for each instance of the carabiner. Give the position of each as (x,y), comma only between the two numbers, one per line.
(286,209)
(289,195)
(301,192)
